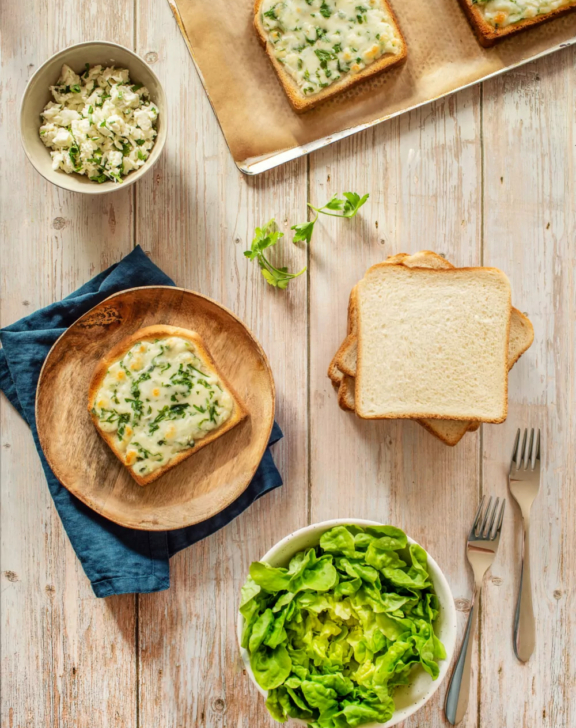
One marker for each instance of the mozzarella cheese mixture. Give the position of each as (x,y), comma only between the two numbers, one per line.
(160,399)
(319,41)
(99,123)
(501,13)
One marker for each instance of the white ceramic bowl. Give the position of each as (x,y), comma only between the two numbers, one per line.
(37,95)
(409,698)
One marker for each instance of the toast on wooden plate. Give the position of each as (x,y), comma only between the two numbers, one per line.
(319,48)
(158,397)
(494,20)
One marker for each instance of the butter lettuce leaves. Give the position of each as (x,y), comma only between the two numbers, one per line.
(331,636)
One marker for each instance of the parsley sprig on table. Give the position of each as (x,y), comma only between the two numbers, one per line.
(336,207)
(267,236)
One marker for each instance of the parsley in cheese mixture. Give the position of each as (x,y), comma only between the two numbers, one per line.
(99,124)
(501,13)
(319,41)
(160,399)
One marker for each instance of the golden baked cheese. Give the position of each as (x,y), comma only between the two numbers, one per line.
(160,400)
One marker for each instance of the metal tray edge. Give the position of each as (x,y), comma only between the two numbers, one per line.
(258,165)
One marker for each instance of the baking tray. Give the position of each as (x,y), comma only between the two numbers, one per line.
(260,127)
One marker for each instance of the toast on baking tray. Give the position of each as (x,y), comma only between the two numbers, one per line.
(320,48)
(494,20)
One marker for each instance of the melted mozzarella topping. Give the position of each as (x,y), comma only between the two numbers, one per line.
(160,399)
(501,13)
(319,41)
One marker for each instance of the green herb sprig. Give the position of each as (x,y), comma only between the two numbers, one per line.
(266,237)
(347,207)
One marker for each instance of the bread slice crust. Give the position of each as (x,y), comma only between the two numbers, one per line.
(449,432)
(488,35)
(346,394)
(334,372)
(301,103)
(161,331)
(434,415)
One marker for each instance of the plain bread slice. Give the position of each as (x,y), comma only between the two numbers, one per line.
(433,343)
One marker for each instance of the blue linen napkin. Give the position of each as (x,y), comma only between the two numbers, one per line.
(117,560)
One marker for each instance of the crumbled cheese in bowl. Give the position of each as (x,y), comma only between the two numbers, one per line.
(319,41)
(501,13)
(99,124)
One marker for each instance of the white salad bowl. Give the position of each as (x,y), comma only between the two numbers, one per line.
(37,95)
(410,698)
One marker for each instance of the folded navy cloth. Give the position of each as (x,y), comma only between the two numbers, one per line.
(117,560)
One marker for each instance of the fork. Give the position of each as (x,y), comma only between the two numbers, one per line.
(524,481)
(481,548)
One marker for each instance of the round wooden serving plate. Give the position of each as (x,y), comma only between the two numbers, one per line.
(197,488)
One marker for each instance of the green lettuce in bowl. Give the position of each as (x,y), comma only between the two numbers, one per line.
(332,633)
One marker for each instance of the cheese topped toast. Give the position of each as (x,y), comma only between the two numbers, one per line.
(158,397)
(321,47)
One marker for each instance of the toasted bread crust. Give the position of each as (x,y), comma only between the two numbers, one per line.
(527,326)
(334,372)
(346,394)
(344,353)
(450,441)
(425,259)
(239,413)
(301,103)
(488,35)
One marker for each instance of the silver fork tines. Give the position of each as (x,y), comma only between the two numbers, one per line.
(522,456)
(488,530)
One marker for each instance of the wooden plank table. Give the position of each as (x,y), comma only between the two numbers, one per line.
(487,176)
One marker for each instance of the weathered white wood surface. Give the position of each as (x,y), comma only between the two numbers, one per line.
(486,176)
(530,231)
(196,216)
(424,173)
(67,659)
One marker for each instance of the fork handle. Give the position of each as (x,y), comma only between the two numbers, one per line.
(459,688)
(524,625)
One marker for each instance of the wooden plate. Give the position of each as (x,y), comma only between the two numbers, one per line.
(202,485)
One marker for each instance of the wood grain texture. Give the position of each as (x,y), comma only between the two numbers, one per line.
(196,215)
(423,172)
(530,231)
(492,186)
(68,659)
(203,485)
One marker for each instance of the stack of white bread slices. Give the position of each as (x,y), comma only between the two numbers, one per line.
(430,342)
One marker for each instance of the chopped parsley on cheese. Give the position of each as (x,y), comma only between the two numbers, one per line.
(320,41)
(501,13)
(160,399)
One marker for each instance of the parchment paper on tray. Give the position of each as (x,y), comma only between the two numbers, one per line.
(258,122)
